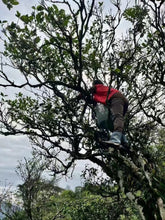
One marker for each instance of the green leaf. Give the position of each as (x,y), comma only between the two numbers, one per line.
(37,39)
(10,3)
(14,2)
(18,14)
(40,8)
(39,17)
(117,70)
(5,2)
(135,13)
(2,22)
(25,18)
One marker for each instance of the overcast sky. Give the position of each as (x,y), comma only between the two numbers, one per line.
(15,148)
(12,148)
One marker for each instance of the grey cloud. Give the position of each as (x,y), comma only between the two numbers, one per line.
(15,148)
(12,150)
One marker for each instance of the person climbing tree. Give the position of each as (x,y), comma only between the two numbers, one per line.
(117,105)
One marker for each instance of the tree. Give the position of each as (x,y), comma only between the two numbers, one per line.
(30,172)
(33,198)
(6,209)
(58,53)
(81,204)
(84,204)
(35,191)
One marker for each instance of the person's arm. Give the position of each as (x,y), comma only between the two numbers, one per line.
(88,96)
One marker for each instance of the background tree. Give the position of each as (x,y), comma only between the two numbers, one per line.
(57,54)
(85,203)
(6,209)
(35,191)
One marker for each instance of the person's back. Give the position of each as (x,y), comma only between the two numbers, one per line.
(103,93)
(118,106)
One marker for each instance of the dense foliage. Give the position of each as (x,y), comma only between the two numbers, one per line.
(56,54)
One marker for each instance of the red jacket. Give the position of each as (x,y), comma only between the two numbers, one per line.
(100,94)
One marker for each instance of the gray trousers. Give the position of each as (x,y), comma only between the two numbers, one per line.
(118,105)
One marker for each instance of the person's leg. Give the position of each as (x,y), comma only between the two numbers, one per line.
(117,110)
(118,107)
